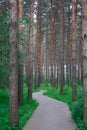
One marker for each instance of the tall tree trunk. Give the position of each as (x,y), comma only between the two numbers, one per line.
(57,46)
(20,51)
(61,48)
(36,65)
(51,44)
(27,54)
(13,75)
(80,48)
(47,55)
(74,23)
(39,44)
(68,50)
(84,47)
(30,80)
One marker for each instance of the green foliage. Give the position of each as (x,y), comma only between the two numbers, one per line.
(4,49)
(3,76)
(55,93)
(77,108)
(3,108)
(25,111)
(43,86)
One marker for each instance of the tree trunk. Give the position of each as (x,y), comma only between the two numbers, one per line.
(74,23)
(61,48)
(30,83)
(84,47)
(27,54)
(51,44)
(39,44)
(68,50)
(20,85)
(20,51)
(47,54)
(13,75)
(80,49)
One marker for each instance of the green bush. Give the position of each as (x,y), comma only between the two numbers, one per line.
(25,111)
(77,108)
(3,77)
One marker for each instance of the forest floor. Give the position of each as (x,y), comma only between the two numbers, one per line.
(50,115)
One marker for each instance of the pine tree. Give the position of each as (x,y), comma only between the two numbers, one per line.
(13,74)
(38,64)
(61,47)
(73,62)
(20,53)
(84,60)
(30,69)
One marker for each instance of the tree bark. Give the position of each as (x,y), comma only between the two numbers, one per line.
(51,44)
(61,48)
(20,51)
(47,53)
(39,45)
(74,23)
(30,80)
(13,75)
(68,50)
(84,47)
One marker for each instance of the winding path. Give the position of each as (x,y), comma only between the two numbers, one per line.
(50,115)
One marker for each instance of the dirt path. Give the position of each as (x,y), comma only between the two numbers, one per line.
(50,115)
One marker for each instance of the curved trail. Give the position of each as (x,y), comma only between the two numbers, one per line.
(50,115)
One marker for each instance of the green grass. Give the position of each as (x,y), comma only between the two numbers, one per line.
(55,93)
(25,111)
(43,86)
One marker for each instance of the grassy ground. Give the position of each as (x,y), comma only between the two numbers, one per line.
(76,107)
(25,111)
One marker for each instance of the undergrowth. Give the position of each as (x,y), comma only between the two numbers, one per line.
(43,86)
(25,111)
